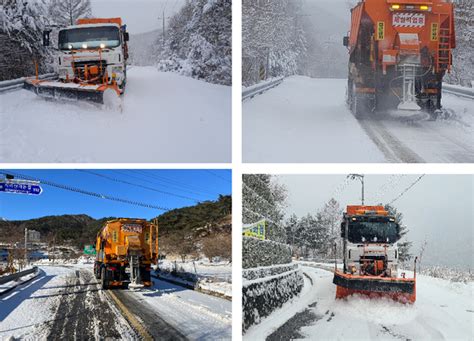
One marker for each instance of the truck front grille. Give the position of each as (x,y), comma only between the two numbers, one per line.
(79,68)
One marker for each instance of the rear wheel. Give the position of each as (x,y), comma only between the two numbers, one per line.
(359,105)
(103,279)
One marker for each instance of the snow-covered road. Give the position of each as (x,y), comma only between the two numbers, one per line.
(194,315)
(443,311)
(66,302)
(306,120)
(62,302)
(165,118)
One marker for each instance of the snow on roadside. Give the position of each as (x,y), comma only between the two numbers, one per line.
(165,118)
(26,310)
(443,310)
(8,285)
(198,316)
(304,120)
(271,323)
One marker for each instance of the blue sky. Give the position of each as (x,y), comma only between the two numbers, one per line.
(189,185)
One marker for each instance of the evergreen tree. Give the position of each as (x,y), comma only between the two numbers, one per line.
(272,39)
(264,198)
(199,41)
(404,246)
(463,56)
(331,216)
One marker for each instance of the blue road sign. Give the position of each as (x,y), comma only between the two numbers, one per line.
(20,188)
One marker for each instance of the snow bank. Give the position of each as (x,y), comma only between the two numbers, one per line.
(261,296)
(266,271)
(210,278)
(444,272)
(256,252)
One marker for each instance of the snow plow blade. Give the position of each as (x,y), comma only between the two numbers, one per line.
(68,91)
(399,289)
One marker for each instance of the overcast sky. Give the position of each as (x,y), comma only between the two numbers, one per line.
(438,208)
(139,15)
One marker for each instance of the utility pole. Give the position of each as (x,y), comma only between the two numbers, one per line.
(163,34)
(359,177)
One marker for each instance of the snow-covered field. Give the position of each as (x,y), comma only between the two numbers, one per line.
(443,310)
(165,118)
(306,120)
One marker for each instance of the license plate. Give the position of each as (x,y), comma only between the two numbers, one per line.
(408,20)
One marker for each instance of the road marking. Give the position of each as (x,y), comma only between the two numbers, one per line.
(130,317)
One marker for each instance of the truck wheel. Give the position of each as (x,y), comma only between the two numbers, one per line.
(103,282)
(359,107)
(96,272)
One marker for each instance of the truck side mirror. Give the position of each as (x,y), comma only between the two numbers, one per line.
(46,39)
(343,228)
(345,41)
(126,36)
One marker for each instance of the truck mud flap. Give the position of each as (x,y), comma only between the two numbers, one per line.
(375,285)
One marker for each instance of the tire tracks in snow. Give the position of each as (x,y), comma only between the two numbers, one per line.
(393,149)
(83,312)
(155,325)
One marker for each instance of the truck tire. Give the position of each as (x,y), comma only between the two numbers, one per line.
(96,271)
(103,279)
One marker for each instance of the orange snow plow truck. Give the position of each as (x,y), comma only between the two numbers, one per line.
(91,62)
(126,249)
(370,256)
(399,51)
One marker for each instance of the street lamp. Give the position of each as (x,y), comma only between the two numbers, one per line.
(359,177)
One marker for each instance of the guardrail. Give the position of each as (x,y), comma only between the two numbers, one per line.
(259,88)
(459,91)
(12,277)
(14,84)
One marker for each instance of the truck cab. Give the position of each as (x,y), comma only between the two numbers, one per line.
(93,51)
(371,244)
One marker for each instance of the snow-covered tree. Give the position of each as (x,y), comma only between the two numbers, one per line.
(331,216)
(264,198)
(404,245)
(463,56)
(199,41)
(66,12)
(291,225)
(21,32)
(273,39)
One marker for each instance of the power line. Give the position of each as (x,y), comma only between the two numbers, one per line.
(137,185)
(89,193)
(188,187)
(407,189)
(218,176)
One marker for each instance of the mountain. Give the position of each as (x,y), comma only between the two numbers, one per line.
(203,219)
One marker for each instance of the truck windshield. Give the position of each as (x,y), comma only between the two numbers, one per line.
(373,230)
(89,38)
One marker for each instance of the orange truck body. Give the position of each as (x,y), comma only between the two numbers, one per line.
(387,34)
(120,240)
(86,21)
